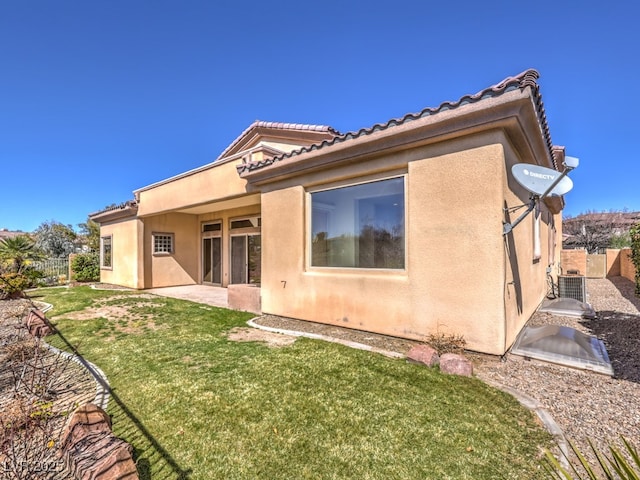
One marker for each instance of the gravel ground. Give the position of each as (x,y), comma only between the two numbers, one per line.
(587,405)
(584,404)
(54,382)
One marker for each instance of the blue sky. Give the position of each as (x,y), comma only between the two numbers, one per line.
(99,98)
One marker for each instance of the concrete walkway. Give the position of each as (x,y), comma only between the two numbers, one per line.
(215,296)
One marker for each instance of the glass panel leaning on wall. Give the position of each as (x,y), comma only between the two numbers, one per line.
(359,226)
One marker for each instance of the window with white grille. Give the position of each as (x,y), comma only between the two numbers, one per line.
(163,243)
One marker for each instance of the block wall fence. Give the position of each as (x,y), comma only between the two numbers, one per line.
(618,262)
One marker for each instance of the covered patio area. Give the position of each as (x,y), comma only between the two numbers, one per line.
(244,297)
(208,295)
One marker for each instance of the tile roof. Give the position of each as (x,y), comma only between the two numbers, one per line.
(521,81)
(300,127)
(129,205)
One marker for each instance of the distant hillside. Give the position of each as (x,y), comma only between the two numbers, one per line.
(4,233)
(596,230)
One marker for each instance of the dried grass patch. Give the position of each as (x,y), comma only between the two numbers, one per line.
(244,334)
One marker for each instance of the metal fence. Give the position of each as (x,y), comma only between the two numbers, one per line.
(55,270)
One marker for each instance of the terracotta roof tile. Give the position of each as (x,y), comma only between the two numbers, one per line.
(277,126)
(525,79)
(128,205)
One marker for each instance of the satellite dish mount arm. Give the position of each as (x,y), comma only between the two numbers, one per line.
(507,227)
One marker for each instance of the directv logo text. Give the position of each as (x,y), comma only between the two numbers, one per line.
(539,175)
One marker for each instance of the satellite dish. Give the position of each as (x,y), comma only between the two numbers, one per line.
(537,179)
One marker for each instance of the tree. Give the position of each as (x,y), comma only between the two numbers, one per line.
(593,231)
(55,239)
(91,232)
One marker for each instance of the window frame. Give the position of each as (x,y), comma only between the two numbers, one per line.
(213,232)
(335,186)
(163,253)
(537,237)
(254,220)
(103,266)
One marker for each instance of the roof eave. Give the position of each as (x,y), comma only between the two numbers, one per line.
(114,214)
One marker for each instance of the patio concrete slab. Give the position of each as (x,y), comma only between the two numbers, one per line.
(208,295)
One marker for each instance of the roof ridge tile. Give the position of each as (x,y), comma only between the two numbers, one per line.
(278,126)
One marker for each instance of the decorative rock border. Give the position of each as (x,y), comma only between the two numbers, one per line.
(102,384)
(90,450)
(88,447)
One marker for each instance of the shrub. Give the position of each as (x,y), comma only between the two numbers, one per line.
(86,267)
(13,285)
(446,343)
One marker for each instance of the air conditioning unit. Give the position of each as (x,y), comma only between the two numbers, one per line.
(573,286)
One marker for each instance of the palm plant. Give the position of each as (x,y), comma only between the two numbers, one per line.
(17,252)
(615,466)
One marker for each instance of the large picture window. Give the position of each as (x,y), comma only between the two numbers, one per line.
(360,226)
(106,252)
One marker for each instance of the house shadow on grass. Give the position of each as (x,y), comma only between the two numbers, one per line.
(152,459)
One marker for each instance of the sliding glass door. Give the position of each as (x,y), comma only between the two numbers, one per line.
(246,258)
(212,260)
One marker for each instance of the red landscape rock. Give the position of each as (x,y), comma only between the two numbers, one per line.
(38,324)
(90,449)
(424,354)
(86,419)
(455,364)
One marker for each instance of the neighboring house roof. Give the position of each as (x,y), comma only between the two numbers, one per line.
(4,233)
(525,79)
(619,218)
(115,212)
(258,125)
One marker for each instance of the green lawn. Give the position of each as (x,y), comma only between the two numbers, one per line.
(197,405)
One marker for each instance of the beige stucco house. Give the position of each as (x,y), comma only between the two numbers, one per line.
(395,229)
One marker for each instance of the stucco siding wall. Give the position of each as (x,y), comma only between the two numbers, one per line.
(574,260)
(627,269)
(180,267)
(126,238)
(216,183)
(456,261)
(525,275)
(453,281)
(613,262)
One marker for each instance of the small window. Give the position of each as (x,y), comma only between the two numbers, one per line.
(162,243)
(253,222)
(537,249)
(212,227)
(359,226)
(106,252)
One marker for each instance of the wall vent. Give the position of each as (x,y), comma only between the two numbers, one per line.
(573,286)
